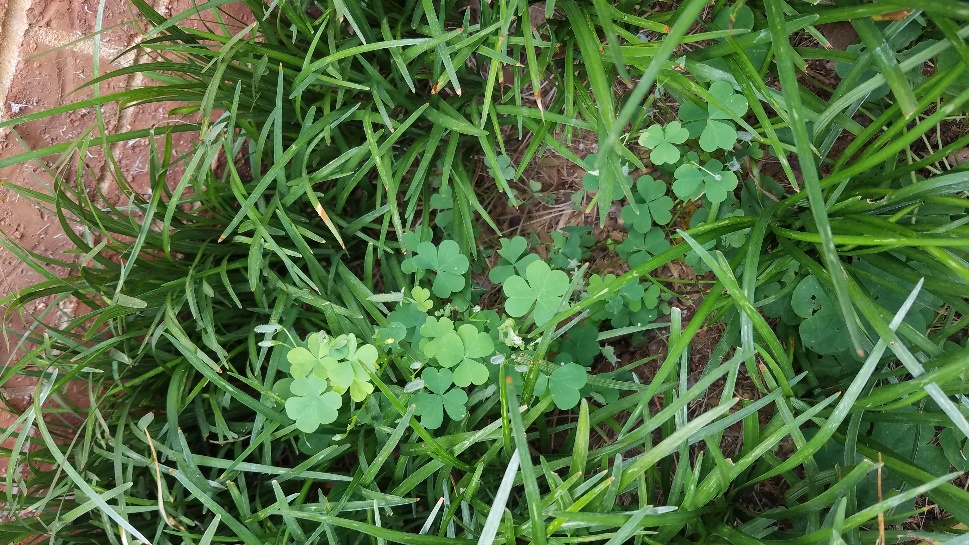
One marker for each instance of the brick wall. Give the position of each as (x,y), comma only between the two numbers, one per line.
(44,59)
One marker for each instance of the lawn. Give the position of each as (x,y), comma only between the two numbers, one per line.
(508,272)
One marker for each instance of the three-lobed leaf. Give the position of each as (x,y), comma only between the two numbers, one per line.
(712,179)
(564,385)
(448,264)
(714,124)
(655,206)
(541,288)
(639,247)
(823,329)
(432,405)
(664,142)
(513,259)
(310,405)
(459,349)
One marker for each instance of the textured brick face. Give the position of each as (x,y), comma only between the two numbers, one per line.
(43,61)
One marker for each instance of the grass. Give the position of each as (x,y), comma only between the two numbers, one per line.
(348,120)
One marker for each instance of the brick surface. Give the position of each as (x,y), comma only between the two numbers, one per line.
(42,65)
(45,78)
(73,19)
(49,68)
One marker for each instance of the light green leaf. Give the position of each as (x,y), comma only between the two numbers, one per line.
(565,383)
(543,288)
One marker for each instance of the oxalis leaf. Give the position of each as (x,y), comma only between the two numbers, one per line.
(432,405)
(461,350)
(448,264)
(714,125)
(541,287)
(337,359)
(310,407)
(513,259)
(664,142)
(823,329)
(565,383)
(640,247)
(693,180)
(654,207)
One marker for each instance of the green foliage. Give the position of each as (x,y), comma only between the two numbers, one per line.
(633,304)
(461,349)
(440,397)
(564,384)
(710,179)
(570,246)
(541,288)
(591,181)
(655,206)
(368,131)
(713,124)
(582,344)
(337,359)
(820,330)
(664,141)
(513,260)
(639,247)
(446,261)
(311,405)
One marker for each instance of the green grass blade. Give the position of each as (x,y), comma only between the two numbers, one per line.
(812,184)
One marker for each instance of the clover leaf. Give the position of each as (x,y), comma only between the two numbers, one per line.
(422,298)
(443,203)
(461,349)
(448,264)
(735,103)
(512,259)
(506,168)
(955,448)
(713,124)
(565,383)
(639,247)
(655,205)
(310,407)
(590,180)
(392,334)
(664,141)
(362,363)
(823,329)
(717,135)
(408,314)
(693,180)
(738,18)
(431,406)
(736,239)
(434,332)
(542,287)
(634,304)
(412,239)
(570,246)
(693,259)
(303,361)
(582,344)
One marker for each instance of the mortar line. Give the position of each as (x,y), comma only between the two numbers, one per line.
(78,43)
(11,39)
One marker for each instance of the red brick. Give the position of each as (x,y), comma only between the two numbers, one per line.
(77,18)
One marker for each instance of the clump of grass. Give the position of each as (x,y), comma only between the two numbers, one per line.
(350,118)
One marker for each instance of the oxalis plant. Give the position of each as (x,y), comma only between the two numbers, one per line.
(455,352)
